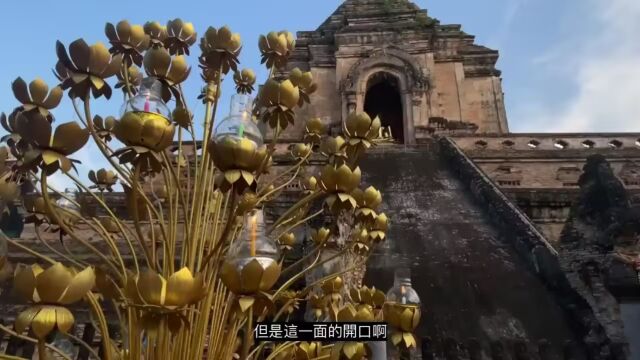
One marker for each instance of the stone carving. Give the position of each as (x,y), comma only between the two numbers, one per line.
(439,124)
(388,56)
(630,174)
(600,221)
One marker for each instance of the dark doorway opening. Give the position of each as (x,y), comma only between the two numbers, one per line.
(383,100)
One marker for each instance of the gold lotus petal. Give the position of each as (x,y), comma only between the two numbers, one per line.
(24,319)
(152,131)
(69,138)
(80,54)
(19,87)
(123,29)
(52,283)
(243,154)
(44,322)
(110,31)
(64,319)
(54,98)
(270,276)
(328,178)
(179,68)
(406,319)
(99,58)
(180,288)
(374,129)
(289,94)
(152,287)
(409,340)
(416,318)
(38,90)
(231,176)
(157,61)
(251,276)
(131,289)
(113,67)
(230,277)
(80,285)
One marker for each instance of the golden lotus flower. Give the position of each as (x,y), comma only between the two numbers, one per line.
(180,36)
(314,130)
(361,240)
(332,288)
(247,202)
(245,80)
(300,151)
(403,339)
(289,300)
(50,152)
(10,125)
(368,296)
(220,50)
(57,285)
(309,184)
(104,127)
(36,96)
(127,40)
(170,71)
(148,130)
(349,351)
(238,159)
(109,224)
(379,228)
(248,279)
(157,33)
(134,79)
(309,350)
(334,148)
(182,117)
(360,125)
(368,201)
(369,198)
(320,236)
(287,241)
(44,319)
(103,179)
(151,288)
(86,68)
(278,98)
(339,182)
(404,317)
(341,179)
(276,47)
(304,82)
(358,313)
(360,131)
(318,305)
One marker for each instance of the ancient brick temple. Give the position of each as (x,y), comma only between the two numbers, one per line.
(478,211)
(521,246)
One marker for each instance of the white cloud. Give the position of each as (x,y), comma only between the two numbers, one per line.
(605,66)
(509,16)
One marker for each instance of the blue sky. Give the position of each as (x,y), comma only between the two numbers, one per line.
(569,65)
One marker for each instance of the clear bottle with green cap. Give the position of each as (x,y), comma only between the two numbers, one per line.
(239,123)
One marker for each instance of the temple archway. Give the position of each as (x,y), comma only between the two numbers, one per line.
(383,99)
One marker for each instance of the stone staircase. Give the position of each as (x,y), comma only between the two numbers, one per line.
(487,278)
